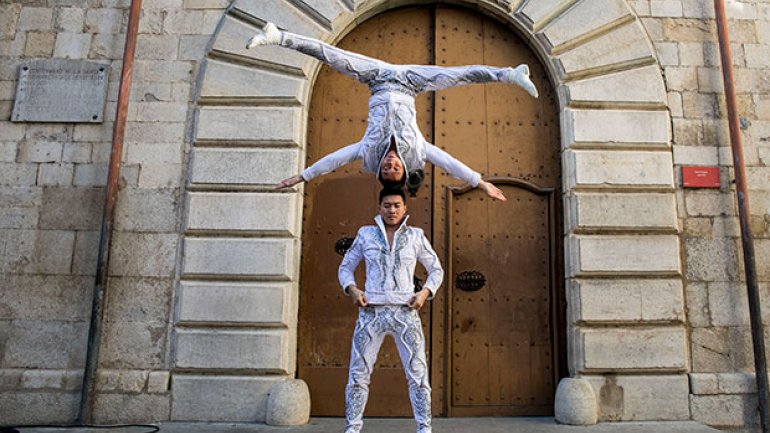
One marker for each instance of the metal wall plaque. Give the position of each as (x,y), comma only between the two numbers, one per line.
(60,90)
(700,176)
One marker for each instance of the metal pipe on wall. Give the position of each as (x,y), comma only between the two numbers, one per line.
(85,414)
(741,190)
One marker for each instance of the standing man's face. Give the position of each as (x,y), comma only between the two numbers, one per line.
(392,209)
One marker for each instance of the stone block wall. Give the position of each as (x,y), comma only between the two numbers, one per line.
(622,245)
(685,38)
(51,198)
(235,333)
(52,179)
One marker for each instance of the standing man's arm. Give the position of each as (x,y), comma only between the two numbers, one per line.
(429,260)
(346,273)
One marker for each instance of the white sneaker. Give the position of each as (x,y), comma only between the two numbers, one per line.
(520,76)
(270,35)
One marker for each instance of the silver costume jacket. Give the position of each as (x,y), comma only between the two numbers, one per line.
(390,271)
(392,113)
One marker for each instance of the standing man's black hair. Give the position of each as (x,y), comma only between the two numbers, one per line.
(393,191)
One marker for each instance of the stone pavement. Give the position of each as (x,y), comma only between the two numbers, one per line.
(390,425)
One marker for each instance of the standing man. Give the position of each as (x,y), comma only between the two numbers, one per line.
(389,306)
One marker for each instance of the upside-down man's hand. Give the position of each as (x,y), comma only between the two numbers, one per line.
(491,190)
(289,182)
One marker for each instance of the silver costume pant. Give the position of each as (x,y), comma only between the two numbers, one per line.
(403,324)
(377,73)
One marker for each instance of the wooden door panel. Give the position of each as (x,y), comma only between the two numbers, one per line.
(501,338)
(523,132)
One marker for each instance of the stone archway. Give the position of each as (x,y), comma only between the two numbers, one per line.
(235,327)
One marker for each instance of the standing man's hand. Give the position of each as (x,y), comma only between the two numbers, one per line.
(491,190)
(418,300)
(289,182)
(359,298)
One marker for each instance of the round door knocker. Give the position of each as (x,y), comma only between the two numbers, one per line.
(470,281)
(342,245)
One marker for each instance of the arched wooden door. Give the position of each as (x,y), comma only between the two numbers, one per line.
(495,350)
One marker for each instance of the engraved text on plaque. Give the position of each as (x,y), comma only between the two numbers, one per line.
(60,90)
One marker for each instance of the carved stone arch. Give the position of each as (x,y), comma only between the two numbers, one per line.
(235,322)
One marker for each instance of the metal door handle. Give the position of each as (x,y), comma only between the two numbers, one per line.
(342,245)
(470,281)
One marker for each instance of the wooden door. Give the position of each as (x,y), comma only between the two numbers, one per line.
(493,351)
(502,259)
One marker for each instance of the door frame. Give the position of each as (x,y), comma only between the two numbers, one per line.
(561,34)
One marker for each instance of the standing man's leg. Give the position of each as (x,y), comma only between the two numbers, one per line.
(363,354)
(410,342)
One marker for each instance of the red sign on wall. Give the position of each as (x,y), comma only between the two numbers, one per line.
(700,177)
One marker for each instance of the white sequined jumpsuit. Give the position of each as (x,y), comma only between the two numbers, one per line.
(392,109)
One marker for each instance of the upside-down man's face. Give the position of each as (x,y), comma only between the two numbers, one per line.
(391,168)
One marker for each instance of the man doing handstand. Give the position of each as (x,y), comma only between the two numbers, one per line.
(393,147)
